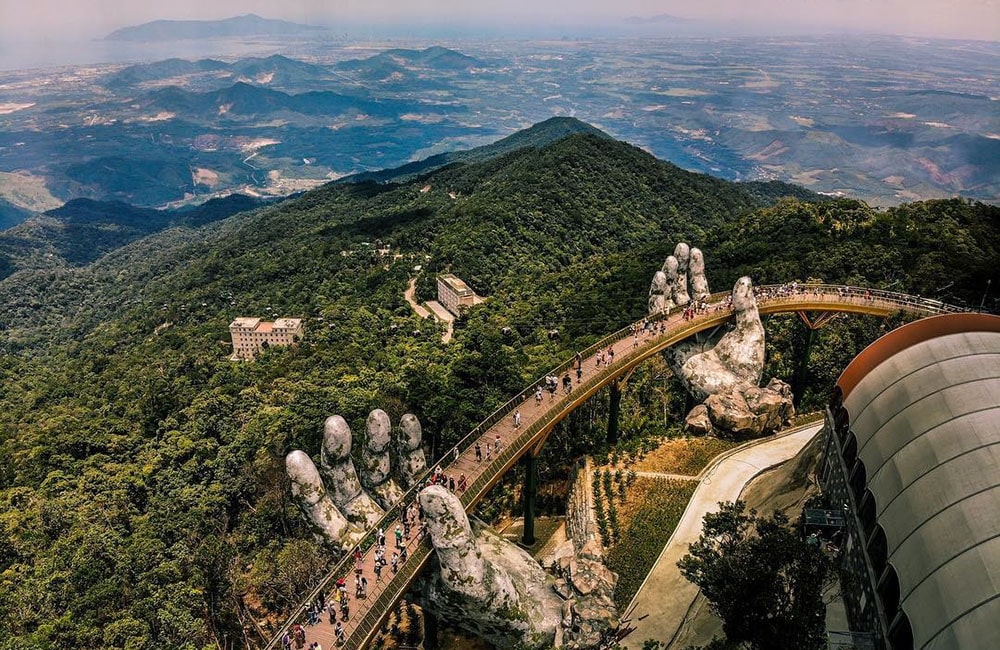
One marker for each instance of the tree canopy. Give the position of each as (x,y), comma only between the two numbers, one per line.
(143,501)
(761,578)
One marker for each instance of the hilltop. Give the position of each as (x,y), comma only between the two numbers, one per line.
(143,502)
(536,135)
(276,70)
(83,230)
(246,25)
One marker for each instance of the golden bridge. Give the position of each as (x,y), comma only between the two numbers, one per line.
(815,304)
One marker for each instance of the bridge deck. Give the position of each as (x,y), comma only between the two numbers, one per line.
(538,419)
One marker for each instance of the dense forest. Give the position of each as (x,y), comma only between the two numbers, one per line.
(143,502)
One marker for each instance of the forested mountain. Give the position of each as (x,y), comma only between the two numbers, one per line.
(83,230)
(11,215)
(143,502)
(538,135)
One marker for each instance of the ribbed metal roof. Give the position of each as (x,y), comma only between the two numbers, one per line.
(927,421)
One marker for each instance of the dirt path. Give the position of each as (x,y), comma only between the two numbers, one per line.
(411,289)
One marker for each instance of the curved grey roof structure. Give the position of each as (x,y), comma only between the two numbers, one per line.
(927,421)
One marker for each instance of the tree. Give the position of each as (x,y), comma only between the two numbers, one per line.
(760,578)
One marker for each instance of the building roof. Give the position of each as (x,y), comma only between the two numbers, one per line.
(455,282)
(245,322)
(264,327)
(924,405)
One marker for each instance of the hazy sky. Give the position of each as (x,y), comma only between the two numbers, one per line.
(84,19)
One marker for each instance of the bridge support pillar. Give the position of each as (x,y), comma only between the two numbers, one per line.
(812,324)
(430,629)
(802,368)
(614,408)
(528,494)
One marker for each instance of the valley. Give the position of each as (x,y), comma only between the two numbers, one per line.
(853,116)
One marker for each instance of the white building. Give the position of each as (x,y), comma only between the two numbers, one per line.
(251,335)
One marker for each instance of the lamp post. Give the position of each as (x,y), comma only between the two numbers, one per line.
(985,291)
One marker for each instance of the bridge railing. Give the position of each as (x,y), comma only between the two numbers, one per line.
(771,292)
(764,293)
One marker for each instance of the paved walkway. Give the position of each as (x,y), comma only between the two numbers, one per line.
(444,316)
(665,596)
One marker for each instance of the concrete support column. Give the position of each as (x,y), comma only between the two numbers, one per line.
(614,408)
(799,381)
(528,494)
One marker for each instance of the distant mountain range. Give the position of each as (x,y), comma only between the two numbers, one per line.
(436,57)
(243,99)
(276,69)
(182,131)
(83,230)
(248,25)
(657,19)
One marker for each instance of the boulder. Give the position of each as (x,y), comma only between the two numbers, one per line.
(698,422)
(729,411)
(750,412)
(591,576)
(563,588)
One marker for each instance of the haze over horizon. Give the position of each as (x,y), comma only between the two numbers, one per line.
(69,20)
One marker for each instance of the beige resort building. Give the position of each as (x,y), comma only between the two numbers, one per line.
(250,335)
(455,294)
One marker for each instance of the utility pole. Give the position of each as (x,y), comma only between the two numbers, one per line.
(986,291)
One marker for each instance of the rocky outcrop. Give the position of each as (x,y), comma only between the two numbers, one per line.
(698,422)
(750,412)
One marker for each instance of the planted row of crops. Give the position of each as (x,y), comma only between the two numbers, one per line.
(641,526)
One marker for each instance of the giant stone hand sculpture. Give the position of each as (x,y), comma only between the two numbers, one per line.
(723,372)
(670,284)
(332,498)
(734,360)
(483,583)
